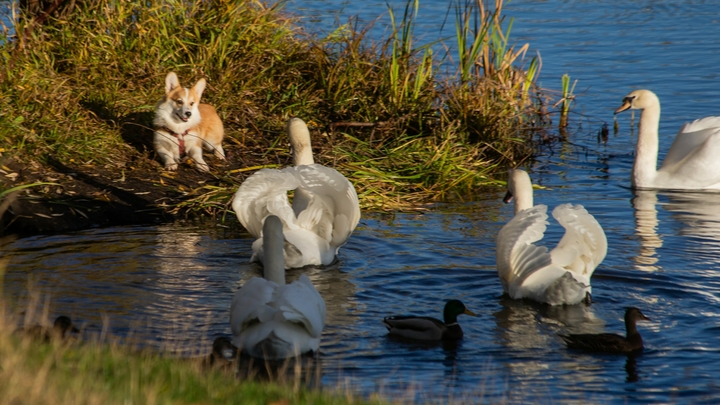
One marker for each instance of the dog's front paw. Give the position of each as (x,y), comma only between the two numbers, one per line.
(203,167)
(171,167)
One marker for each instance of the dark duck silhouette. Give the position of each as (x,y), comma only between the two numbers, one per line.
(223,352)
(59,330)
(427,328)
(611,342)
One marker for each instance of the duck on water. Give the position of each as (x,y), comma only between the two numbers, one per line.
(611,342)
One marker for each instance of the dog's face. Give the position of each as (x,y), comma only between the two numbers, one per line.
(183,101)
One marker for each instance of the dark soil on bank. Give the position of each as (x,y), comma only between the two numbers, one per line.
(74,197)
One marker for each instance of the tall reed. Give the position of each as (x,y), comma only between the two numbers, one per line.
(82,86)
(567,99)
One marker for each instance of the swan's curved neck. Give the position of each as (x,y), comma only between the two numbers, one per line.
(520,187)
(300,141)
(646,151)
(273,241)
(303,156)
(523,200)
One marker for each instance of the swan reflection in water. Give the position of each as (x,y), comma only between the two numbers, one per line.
(196,277)
(698,216)
(528,331)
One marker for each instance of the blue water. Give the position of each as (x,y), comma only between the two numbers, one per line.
(173,284)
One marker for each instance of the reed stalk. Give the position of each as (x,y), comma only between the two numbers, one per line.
(567,99)
(81,89)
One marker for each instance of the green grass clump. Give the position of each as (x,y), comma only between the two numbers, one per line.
(79,89)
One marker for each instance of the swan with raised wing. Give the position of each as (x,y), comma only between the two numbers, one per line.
(693,161)
(556,277)
(324,210)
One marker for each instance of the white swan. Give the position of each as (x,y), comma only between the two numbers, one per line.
(561,276)
(270,319)
(324,211)
(693,161)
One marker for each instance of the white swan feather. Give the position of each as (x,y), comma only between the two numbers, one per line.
(324,212)
(692,161)
(560,276)
(270,319)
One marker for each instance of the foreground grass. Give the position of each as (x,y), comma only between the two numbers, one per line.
(55,373)
(80,89)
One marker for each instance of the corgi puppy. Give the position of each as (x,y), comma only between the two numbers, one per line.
(185,126)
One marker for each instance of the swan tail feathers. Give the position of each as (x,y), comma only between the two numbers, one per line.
(301,303)
(566,290)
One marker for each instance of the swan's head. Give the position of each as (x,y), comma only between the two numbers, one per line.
(519,187)
(639,100)
(300,141)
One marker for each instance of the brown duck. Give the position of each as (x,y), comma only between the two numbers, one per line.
(429,329)
(611,342)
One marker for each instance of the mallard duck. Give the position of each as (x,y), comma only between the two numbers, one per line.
(323,214)
(427,328)
(61,327)
(692,161)
(222,351)
(270,319)
(611,342)
(561,276)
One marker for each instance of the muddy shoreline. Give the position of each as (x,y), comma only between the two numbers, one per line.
(75,197)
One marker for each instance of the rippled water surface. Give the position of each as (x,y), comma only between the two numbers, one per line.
(174,283)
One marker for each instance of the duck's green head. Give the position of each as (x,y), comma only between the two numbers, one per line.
(453,308)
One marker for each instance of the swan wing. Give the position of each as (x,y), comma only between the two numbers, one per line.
(584,245)
(517,257)
(328,202)
(301,303)
(274,321)
(251,304)
(700,167)
(262,194)
(690,137)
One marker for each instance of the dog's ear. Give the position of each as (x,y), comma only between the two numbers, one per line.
(199,87)
(171,82)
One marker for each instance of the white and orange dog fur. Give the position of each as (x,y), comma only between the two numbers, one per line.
(185,126)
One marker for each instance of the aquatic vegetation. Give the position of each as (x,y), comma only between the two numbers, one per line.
(84,97)
(567,99)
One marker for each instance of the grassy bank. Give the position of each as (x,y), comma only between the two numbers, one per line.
(78,92)
(65,372)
